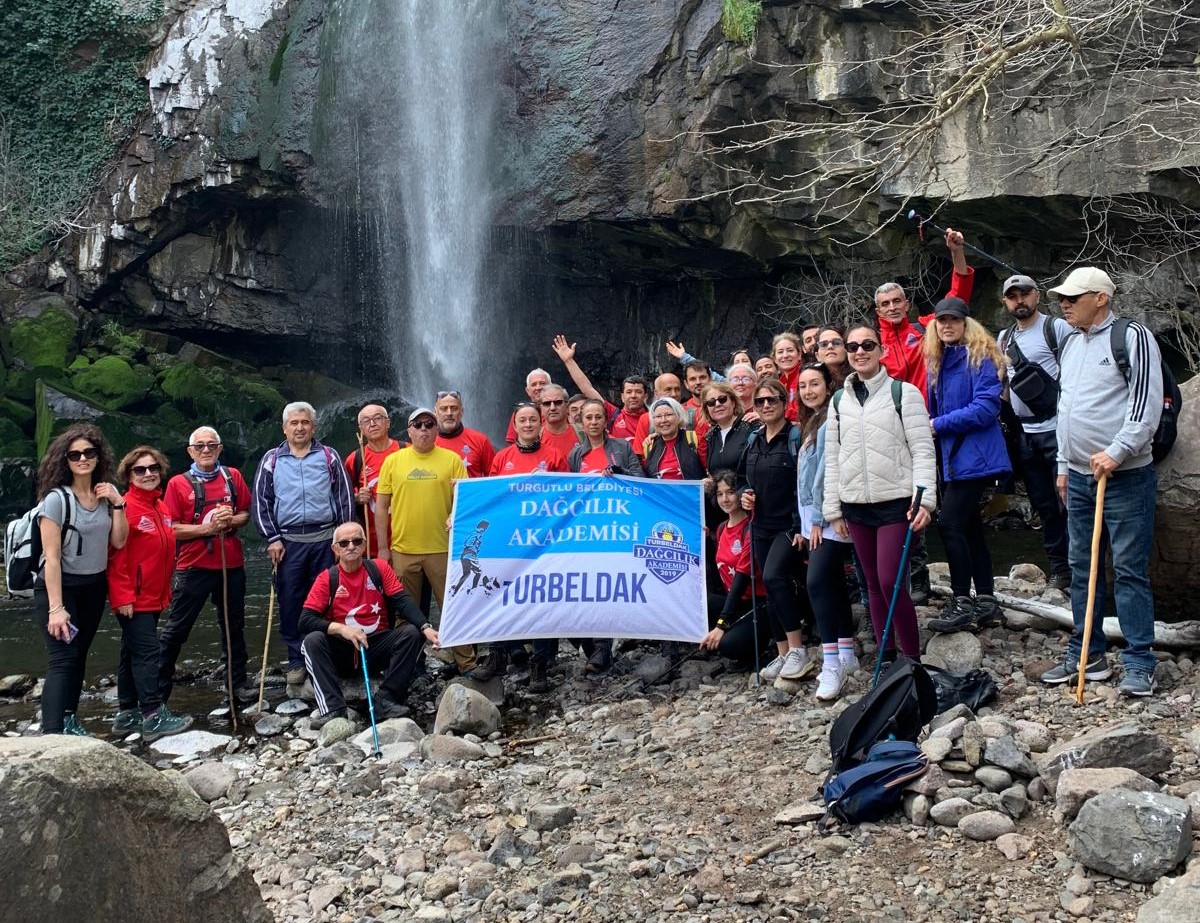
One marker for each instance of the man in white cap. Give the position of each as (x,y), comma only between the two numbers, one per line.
(415,494)
(1032,346)
(1108,409)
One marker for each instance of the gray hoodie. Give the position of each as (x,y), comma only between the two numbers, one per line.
(1097,410)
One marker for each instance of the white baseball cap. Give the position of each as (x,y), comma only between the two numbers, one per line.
(1085,279)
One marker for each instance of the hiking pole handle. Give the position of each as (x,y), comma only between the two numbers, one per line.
(923,222)
(916,504)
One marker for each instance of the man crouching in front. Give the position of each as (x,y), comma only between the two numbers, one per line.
(355,606)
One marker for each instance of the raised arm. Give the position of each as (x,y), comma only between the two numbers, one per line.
(566,352)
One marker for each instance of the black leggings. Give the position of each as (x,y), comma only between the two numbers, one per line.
(137,670)
(84,598)
(738,641)
(962,533)
(827,590)
(779,561)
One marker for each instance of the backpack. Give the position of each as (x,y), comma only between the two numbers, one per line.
(902,703)
(330,463)
(23,557)
(1037,388)
(372,572)
(198,493)
(793,440)
(1168,424)
(871,789)
(897,402)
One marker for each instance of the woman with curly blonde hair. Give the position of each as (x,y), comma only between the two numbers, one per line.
(966,372)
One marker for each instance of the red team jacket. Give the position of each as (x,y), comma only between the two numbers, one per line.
(140,573)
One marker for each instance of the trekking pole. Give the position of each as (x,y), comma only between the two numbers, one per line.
(228,637)
(1093,577)
(754,604)
(362,656)
(887,625)
(923,223)
(362,482)
(262,675)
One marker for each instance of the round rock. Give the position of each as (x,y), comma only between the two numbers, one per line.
(960,651)
(986,825)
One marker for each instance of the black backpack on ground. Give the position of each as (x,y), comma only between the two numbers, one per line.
(903,702)
(1168,424)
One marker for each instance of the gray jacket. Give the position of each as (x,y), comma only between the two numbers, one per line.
(621,457)
(1097,410)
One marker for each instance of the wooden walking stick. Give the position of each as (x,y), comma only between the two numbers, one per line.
(362,482)
(228,637)
(1093,576)
(262,675)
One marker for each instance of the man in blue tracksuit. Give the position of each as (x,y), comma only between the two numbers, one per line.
(1106,420)
(301,494)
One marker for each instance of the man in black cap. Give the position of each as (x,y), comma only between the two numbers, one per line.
(1032,347)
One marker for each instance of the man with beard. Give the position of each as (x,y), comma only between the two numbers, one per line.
(471,445)
(1032,347)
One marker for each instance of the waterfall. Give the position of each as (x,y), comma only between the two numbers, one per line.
(413,86)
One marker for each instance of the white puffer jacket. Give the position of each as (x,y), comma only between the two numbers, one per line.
(872,453)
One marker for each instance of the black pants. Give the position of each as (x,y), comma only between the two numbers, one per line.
(962,533)
(84,598)
(827,590)
(1039,470)
(193,588)
(738,641)
(779,561)
(137,669)
(393,652)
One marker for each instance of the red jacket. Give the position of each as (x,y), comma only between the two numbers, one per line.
(904,345)
(140,573)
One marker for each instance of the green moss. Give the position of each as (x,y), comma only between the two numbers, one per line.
(17,411)
(189,387)
(277,61)
(46,339)
(259,400)
(80,363)
(113,383)
(115,340)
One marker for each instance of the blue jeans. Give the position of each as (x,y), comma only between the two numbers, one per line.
(1129,503)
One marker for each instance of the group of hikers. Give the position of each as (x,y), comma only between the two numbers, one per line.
(811,459)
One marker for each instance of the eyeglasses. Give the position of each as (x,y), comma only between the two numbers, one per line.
(741,380)
(714,401)
(89,453)
(830,344)
(143,470)
(422,424)
(205,446)
(554,402)
(1071,299)
(866,346)
(350,542)
(375,418)
(442,394)
(767,401)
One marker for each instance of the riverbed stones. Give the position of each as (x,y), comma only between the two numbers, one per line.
(1004,752)
(960,651)
(441,748)
(986,825)
(1177,903)
(464,711)
(191,744)
(334,730)
(211,780)
(1076,786)
(993,778)
(292,707)
(1123,743)
(56,786)
(270,725)
(16,685)
(949,812)
(1014,846)
(1137,836)
(544,817)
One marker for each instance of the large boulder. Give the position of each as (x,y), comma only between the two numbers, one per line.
(88,832)
(1125,743)
(1138,836)
(1173,571)
(465,711)
(1076,786)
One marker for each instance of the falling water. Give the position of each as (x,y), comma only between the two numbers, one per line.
(414,92)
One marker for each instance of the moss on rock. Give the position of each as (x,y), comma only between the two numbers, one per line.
(20,413)
(46,339)
(113,383)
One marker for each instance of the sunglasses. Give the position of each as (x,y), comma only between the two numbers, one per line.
(205,446)
(1071,299)
(442,394)
(555,402)
(768,401)
(143,470)
(866,346)
(422,424)
(829,344)
(714,401)
(80,454)
(350,542)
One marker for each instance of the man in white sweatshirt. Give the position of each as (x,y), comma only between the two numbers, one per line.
(1109,407)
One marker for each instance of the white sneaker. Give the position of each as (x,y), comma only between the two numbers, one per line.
(796,664)
(848,663)
(831,680)
(771,671)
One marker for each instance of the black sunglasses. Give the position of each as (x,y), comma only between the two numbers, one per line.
(867,346)
(140,470)
(767,401)
(1071,299)
(713,401)
(350,542)
(555,402)
(423,423)
(80,454)
(205,446)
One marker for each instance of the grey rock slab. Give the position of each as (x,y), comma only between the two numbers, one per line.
(1137,836)
(936,748)
(392,731)
(952,713)
(270,725)
(1076,786)
(399,751)
(492,689)
(550,816)
(960,651)
(986,825)
(441,748)
(1124,743)
(800,813)
(463,710)
(1177,903)
(949,812)
(211,780)
(949,730)
(440,884)
(16,685)
(191,743)
(292,707)
(1014,801)
(1004,752)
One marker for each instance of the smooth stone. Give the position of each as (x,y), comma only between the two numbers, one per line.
(292,707)
(441,748)
(936,749)
(191,743)
(801,812)
(463,710)
(1076,786)
(270,725)
(949,812)
(986,825)
(1004,752)
(960,651)
(334,730)
(993,778)
(211,780)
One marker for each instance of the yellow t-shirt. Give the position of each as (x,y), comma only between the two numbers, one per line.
(422,492)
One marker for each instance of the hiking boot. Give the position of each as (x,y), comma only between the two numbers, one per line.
(321,720)
(772,670)
(919,589)
(987,612)
(959,615)
(601,660)
(127,721)
(386,705)
(830,681)
(1060,581)
(1138,681)
(539,679)
(72,727)
(162,723)
(246,693)
(1066,671)
(796,664)
(493,665)
(296,675)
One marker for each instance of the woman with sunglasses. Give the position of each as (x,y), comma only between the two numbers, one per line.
(831,352)
(728,429)
(69,592)
(528,454)
(670,453)
(878,448)
(768,469)
(787,349)
(965,368)
(828,552)
(139,589)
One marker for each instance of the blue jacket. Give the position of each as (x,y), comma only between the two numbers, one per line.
(964,407)
(810,475)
